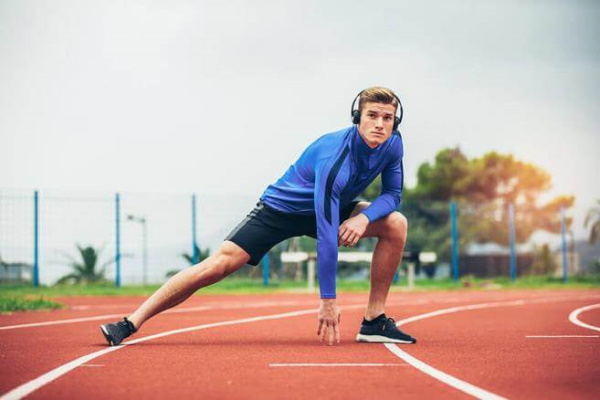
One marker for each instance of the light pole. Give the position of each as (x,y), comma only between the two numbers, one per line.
(142,220)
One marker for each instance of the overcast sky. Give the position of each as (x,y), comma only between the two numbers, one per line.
(222,96)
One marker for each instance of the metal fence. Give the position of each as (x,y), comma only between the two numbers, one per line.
(493,239)
(144,238)
(138,238)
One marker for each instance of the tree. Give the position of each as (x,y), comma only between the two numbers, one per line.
(483,188)
(202,255)
(86,269)
(593,220)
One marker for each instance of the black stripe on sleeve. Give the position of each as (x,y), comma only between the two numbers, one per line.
(330,179)
(402,177)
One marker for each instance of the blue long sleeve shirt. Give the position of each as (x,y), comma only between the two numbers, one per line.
(329,174)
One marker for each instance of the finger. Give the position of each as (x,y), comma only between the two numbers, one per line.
(332,333)
(337,332)
(319,326)
(350,241)
(344,238)
(324,331)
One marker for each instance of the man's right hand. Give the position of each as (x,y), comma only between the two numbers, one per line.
(329,321)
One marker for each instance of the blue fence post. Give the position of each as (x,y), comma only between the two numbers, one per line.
(195,249)
(266,270)
(563,232)
(454,228)
(511,239)
(36,239)
(118,240)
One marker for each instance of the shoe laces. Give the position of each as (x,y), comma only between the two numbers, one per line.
(388,321)
(127,324)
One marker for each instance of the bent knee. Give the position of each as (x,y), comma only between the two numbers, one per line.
(396,226)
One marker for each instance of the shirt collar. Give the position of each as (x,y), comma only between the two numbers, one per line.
(360,146)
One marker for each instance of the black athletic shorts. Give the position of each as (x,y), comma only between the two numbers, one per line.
(264,227)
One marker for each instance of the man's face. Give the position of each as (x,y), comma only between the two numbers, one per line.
(376,123)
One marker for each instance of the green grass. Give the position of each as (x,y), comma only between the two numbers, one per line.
(24,297)
(11,303)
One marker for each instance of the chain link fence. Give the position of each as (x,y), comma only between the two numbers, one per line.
(135,239)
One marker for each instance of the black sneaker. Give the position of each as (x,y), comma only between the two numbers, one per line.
(382,330)
(115,333)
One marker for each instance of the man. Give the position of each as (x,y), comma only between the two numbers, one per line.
(312,198)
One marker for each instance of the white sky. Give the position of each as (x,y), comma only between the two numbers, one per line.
(221,97)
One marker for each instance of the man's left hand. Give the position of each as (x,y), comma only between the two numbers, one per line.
(352,230)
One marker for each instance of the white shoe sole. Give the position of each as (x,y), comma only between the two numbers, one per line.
(106,335)
(379,339)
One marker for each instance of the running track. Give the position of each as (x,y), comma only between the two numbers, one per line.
(516,344)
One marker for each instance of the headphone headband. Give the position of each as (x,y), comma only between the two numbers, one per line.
(355,113)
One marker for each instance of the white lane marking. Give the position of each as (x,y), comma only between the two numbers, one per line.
(560,336)
(33,385)
(573,317)
(182,310)
(173,311)
(460,308)
(61,321)
(83,307)
(442,376)
(338,365)
(455,382)
(436,373)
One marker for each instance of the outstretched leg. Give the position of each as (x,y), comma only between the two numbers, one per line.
(228,259)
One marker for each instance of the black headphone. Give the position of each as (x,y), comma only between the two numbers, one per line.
(355,113)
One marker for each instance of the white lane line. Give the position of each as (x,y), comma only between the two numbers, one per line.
(338,365)
(573,317)
(442,376)
(455,382)
(33,385)
(182,310)
(560,336)
(173,311)
(436,373)
(61,321)
(83,307)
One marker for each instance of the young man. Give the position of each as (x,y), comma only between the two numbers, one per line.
(315,197)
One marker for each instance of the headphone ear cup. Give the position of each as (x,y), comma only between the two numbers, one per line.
(396,123)
(356,117)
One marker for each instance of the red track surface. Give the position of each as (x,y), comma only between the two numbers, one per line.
(485,347)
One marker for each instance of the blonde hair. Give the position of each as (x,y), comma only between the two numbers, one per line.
(377,94)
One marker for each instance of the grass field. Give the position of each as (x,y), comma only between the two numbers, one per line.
(26,297)
(10,303)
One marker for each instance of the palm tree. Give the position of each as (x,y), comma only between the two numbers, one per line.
(202,254)
(85,269)
(593,219)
